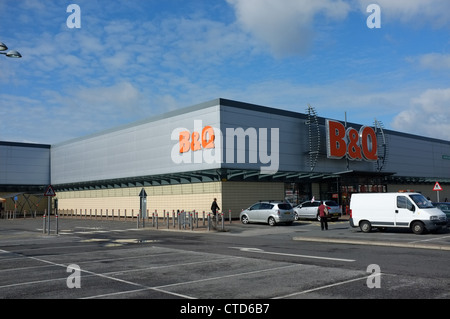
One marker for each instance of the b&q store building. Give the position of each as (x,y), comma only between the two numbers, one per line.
(236,152)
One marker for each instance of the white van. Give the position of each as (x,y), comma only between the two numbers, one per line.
(406,210)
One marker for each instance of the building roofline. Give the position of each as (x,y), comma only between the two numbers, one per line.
(29,145)
(239,105)
(271,110)
(150,119)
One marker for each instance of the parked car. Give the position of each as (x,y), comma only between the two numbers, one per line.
(268,212)
(309,210)
(445,207)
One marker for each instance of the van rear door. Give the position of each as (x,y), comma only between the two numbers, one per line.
(404,211)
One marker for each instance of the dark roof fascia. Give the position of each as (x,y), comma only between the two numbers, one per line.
(28,145)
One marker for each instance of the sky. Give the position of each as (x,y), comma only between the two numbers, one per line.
(132,59)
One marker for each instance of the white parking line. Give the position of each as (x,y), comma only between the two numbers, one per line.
(423,240)
(260,251)
(323,287)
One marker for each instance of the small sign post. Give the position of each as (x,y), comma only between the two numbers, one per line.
(143,206)
(49,193)
(437,188)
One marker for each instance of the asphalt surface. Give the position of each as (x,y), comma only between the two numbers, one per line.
(115,260)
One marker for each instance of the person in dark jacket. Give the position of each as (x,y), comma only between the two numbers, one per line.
(214,206)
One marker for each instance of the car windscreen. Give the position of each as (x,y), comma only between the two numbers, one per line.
(285,206)
(421,201)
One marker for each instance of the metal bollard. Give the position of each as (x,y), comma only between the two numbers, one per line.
(143,218)
(209,222)
(57,225)
(223,220)
(168,220)
(173,218)
(138,217)
(45,224)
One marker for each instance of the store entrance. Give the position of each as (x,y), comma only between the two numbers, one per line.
(343,187)
(338,188)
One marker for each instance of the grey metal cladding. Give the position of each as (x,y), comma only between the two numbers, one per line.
(147,147)
(140,149)
(24,164)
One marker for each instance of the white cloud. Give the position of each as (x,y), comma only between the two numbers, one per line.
(427,114)
(289,27)
(286,26)
(56,116)
(434,61)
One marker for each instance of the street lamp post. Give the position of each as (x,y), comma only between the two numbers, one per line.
(9,54)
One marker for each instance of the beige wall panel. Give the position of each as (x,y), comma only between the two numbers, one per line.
(241,195)
(186,197)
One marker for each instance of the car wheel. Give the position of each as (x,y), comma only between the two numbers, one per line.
(418,228)
(271,221)
(296,216)
(244,219)
(365,226)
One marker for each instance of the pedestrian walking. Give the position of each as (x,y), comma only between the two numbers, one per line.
(323,214)
(214,206)
(214,209)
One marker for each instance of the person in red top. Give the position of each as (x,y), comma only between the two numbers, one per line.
(323,213)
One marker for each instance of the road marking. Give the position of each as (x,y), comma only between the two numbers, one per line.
(423,240)
(370,242)
(260,251)
(322,287)
(91,273)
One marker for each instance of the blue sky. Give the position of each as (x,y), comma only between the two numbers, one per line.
(137,58)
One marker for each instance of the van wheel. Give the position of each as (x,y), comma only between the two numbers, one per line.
(418,228)
(365,226)
(271,221)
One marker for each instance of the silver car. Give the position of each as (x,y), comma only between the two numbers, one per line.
(309,210)
(268,212)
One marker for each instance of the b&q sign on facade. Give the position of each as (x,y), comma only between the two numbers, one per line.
(349,142)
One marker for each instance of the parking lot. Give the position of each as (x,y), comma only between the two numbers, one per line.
(113,259)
